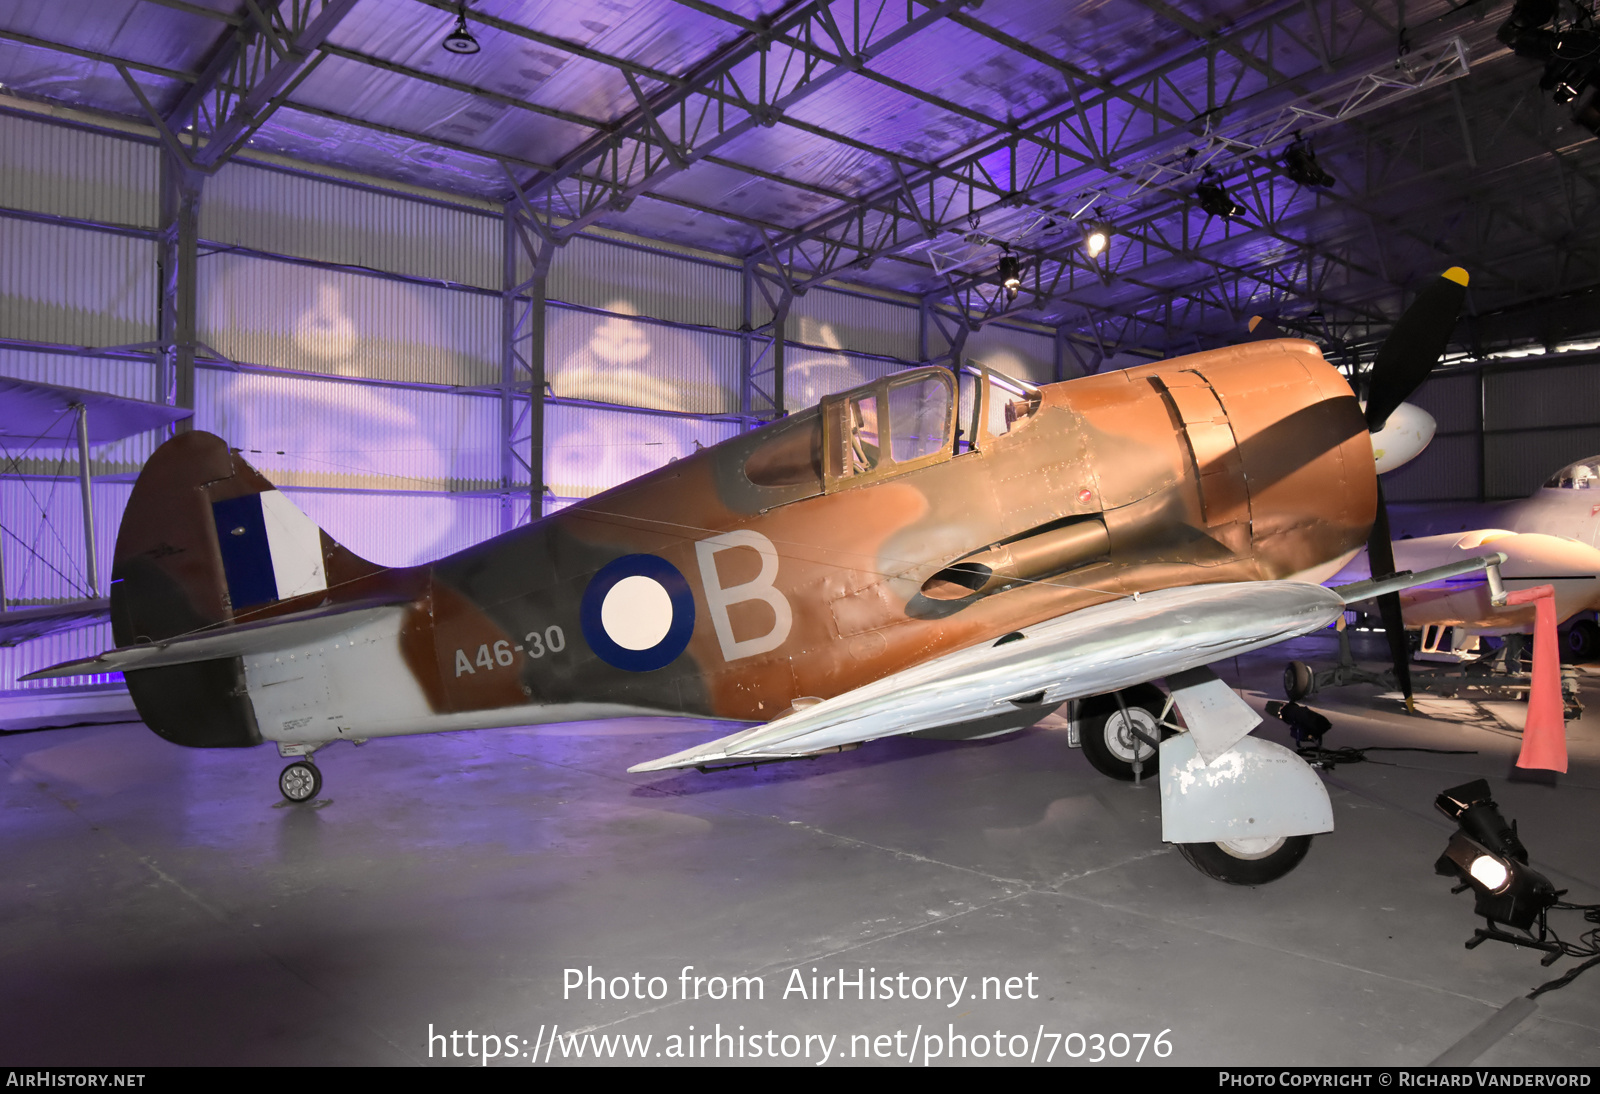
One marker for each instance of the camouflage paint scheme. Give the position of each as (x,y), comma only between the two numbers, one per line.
(805,569)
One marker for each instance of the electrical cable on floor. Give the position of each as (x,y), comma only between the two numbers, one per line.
(1329,758)
(1307,727)
(1588,945)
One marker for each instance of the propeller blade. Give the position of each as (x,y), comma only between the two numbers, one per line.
(1380,557)
(1263,329)
(1414,346)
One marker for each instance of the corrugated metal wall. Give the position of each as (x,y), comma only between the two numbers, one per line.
(73,286)
(1021,353)
(839,320)
(307,432)
(282,213)
(135,379)
(588,449)
(598,273)
(53,649)
(1448,469)
(43,522)
(75,173)
(1453,401)
(633,362)
(811,374)
(400,529)
(1536,421)
(311,319)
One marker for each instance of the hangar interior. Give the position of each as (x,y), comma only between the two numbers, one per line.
(440,269)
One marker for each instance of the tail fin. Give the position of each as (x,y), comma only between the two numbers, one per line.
(207,540)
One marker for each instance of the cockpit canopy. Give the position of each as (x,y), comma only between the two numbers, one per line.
(1583,475)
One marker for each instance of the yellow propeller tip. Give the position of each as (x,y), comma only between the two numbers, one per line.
(1456,274)
(1255,321)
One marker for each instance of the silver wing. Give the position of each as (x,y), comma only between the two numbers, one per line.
(1088,652)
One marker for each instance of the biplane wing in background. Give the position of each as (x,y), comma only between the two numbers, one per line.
(856,570)
(34,417)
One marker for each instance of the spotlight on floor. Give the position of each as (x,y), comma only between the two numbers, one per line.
(1300,164)
(461,40)
(1216,200)
(1010,273)
(1488,857)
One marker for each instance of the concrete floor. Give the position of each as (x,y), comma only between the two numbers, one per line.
(161,906)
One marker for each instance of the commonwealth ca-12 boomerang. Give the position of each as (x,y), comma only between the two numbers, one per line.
(932,554)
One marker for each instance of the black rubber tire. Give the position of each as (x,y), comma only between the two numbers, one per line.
(1297,680)
(1216,860)
(1583,641)
(300,781)
(1110,749)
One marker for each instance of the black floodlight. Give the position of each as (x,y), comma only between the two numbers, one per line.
(1306,726)
(1571,55)
(1300,163)
(461,40)
(1215,200)
(1010,274)
(1488,857)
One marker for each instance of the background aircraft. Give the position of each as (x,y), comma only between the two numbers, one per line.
(1553,535)
(850,572)
(37,421)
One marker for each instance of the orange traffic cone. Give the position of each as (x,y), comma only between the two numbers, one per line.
(1544,738)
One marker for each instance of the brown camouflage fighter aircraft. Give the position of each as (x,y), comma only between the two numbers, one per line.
(933,554)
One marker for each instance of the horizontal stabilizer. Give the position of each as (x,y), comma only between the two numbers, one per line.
(223,642)
(22,624)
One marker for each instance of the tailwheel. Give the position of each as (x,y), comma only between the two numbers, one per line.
(300,781)
(1248,861)
(1116,736)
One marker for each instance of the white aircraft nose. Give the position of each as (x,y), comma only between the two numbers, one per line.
(1403,437)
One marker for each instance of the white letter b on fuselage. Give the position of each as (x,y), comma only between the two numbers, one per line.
(761,587)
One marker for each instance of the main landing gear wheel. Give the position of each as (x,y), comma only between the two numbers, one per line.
(1247,861)
(1583,641)
(1105,731)
(1297,680)
(300,781)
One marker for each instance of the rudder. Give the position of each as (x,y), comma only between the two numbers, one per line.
(207,540)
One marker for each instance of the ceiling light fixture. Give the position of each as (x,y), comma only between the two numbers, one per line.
(1571,54)
(1096,238)
(461,40)
(1010,274)
(1300,164)
(1214,199)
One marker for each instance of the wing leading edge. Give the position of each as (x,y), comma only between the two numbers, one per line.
(1089,652)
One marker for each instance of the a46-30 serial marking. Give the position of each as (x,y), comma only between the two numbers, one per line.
(503,654)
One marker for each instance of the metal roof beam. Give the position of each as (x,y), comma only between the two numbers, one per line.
(1097,140)
(750,82)
(252,73)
